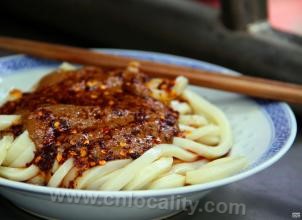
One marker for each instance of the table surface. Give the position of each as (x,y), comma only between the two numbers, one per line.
(274,193)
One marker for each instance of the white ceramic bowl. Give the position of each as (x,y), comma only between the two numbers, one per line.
(263,132)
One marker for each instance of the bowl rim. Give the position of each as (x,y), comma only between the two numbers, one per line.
(44,190)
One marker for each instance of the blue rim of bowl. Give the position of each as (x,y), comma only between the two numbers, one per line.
(280,115)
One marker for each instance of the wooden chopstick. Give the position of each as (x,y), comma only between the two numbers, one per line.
(252,86)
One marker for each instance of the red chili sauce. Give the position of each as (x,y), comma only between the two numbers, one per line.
(92,115)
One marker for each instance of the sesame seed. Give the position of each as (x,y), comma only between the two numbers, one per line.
(92,164)
(83,152)
(59,157)
(94,96)
(56,124)
(103,87)
(92,83)
(123,144)
(123,153)
(102,162)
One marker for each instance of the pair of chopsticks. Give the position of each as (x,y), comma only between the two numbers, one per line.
(252,86)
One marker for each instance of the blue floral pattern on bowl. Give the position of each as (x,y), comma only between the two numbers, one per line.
(277,112)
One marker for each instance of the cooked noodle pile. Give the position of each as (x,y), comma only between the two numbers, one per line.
(198,156)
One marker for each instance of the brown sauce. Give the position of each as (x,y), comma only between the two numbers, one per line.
(92,115)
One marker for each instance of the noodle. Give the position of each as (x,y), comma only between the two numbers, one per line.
(150,173)
(206,136)
(8,120)
(169,181)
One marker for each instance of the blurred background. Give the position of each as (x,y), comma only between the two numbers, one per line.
(256,37)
